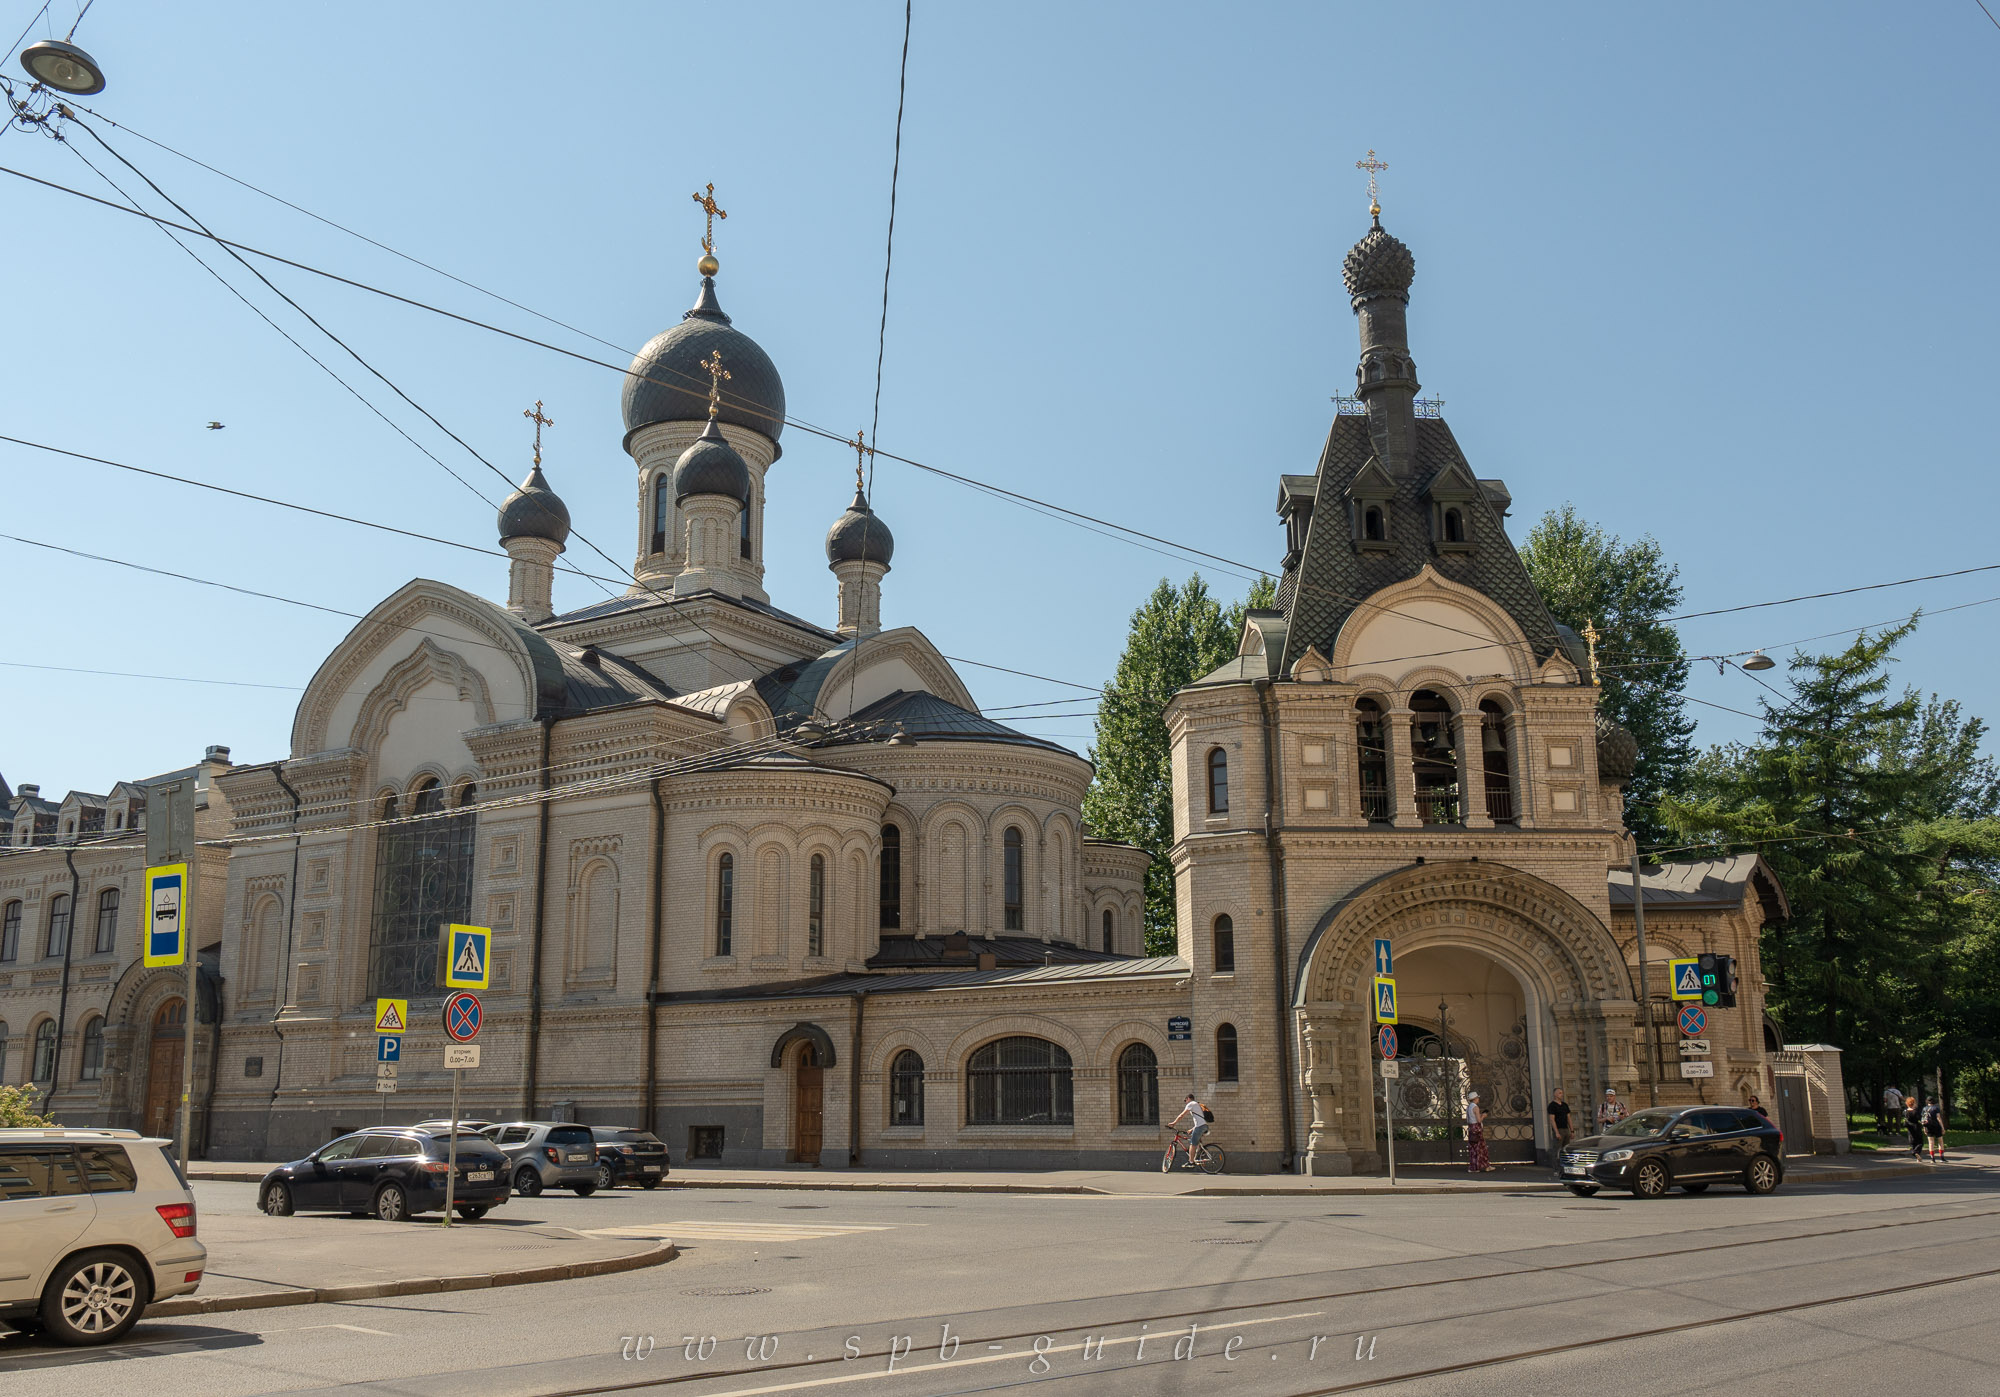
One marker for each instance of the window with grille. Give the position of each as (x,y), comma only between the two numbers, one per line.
(816,908)
(1138,1086)
(1019,1081)
(1011,853)
(906,1089)
(725,903)
(423,882)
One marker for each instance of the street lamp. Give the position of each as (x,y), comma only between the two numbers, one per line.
(1759,661)
(62,66)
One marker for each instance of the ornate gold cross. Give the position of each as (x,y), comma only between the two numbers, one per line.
(716,373)
(709,207)
(861,452)
(1373,167)
(1591,635)
(534,415)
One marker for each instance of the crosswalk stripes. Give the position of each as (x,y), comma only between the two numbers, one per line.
(719,1230)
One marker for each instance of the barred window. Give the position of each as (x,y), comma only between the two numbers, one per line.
(816,908)
(1138,1086)
(1011,853)
(423,882)
(1019,1081)
(906,1089)
(725,902)
(107,920)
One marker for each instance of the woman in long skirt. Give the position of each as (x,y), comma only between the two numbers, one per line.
(1475,1136)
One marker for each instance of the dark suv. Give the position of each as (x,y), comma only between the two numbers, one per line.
(392,1173)
(1656,1149)
(629,1157)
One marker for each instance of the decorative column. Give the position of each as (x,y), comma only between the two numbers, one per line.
(1328,1152)
(1346,751)
(1472,771)
(1402,771)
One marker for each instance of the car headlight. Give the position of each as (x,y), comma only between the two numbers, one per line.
(1616,1155)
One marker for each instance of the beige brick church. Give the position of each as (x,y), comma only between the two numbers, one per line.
(779,891)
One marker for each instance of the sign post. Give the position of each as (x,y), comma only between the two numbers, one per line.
(463,1015)
(170,902)
(1385,1039)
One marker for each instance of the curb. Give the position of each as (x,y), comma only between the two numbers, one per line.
(657,1255)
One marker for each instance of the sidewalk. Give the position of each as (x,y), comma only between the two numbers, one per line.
(256,1262)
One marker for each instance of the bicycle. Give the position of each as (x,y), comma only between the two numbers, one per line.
(1208,1158)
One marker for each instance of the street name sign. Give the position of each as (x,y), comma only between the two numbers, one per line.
(461,1055)
(1684,978)
(166,922)
(470,963)
(1180,1029)
(1385,999)
(391,1016)
(1699,1067)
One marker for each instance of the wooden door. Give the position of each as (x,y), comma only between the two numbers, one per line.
(163,1068)
(809,1097)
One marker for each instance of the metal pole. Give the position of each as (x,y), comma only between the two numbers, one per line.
(451,1151)
(1645,997)
(187,1050)
(1444,1034)
(1389,1121)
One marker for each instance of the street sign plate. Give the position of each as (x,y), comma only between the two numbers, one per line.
(1385,958)
(1391,1068)
(462,1015)
(1684,978)
(388,1048)
(1694,1047)
(1180,1029)
(470,963)
(1693,1020)
(385,1084)
(1385,999)
(387,1071)
(461,1055)
(1700,1067)
(166,926)
(1385,1039)
(391,1016)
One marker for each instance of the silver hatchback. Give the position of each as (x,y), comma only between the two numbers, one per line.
(548,1154)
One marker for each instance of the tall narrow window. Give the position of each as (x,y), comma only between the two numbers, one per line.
(743,530)
(58,940)
(1494,764)
(1373,528)
(1454,526)
(423,882)
(44,1067)
(816,907)
(1225,1053)
(92,1066)
(1011,854)
(1372,739)
(906,1089)
(725,903)
(1224,939)
(1110,929)
(890,876)
(1218,781)
(663,509)
(1138,1086)
(10,932)
(107,920)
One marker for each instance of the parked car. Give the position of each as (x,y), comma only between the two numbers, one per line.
(94,1226)
(1691,1147)
(438,1127)
(626,1156)
(393,1172)
(548,1154)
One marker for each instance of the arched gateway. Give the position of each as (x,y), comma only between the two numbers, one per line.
(1507,985)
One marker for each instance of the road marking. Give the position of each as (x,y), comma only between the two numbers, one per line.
(717,1230)
(355,1328)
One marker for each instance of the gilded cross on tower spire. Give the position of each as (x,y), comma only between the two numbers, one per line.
(708,264)
(716,373)
(861,450)
(534,415)
(1373,167)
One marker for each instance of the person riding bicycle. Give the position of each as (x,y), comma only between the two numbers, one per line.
(1198,1114)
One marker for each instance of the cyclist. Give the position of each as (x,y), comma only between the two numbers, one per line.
(1197,1114)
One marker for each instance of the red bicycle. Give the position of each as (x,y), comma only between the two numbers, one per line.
(1206,1157)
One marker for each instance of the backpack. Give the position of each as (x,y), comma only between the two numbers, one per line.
(1208,1115)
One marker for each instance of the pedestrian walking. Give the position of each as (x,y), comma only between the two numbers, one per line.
(1559,1120)
(1610,1110)
(1892,1108)
(1934,1130)
(1913,1122)
(1475,1137)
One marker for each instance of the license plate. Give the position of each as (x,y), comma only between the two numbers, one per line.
(1572,1169)
(652,1168)
(579,1159)
(480,1176)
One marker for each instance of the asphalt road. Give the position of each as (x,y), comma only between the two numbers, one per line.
(1823,1291)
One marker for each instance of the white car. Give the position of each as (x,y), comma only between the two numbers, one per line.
(94,1226)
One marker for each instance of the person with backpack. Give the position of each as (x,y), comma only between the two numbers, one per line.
(1934,1130)
(1200,1117)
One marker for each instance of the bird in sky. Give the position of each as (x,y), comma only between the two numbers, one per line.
(215,426)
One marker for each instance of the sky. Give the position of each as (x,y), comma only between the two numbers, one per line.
(1723,275)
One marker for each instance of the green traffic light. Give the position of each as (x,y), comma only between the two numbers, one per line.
(1710,997)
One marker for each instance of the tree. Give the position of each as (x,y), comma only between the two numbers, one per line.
(1176,637)
(17,1107)
(1590,577)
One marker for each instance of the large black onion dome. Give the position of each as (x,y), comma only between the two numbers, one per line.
(667,383)
(1378,263)
(712,467)
(858,536)
(534,511)
(1617,752)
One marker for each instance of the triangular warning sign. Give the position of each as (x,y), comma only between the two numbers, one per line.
(467,966)
(1689,982)
(390,1022)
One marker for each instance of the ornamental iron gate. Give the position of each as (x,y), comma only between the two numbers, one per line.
(1436,1075)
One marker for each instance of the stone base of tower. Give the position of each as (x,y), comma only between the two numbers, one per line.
(1335,1164)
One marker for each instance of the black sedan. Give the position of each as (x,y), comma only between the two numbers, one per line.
(393,1173)
(1690,1147)
(626,1156)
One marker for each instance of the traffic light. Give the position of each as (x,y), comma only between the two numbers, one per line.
(1718,980)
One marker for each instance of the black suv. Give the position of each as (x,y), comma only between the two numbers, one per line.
(629,1157)
(392,1173)
(1656,1149)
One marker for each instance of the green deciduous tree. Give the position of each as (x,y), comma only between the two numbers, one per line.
(1177,636)
(1588,576)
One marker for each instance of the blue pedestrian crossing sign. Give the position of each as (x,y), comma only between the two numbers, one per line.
(469,961)
(1684,978)
(1385,962)
(388,1048)
(1385,999)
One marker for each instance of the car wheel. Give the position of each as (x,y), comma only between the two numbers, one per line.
(471,1212)
(93,1298)
(1694,1188)
(392,1204)
(649,1183)
(605,1178)
(1761,1176)
(1582,1190)
(528,1181)
(1651,1180)
(278,1201)
(584,1190)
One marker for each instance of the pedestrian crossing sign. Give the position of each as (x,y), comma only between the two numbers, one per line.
(392,1016)
(470,962)
(1385,999)
(1685,978)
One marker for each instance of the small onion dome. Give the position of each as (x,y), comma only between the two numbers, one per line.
(712,467)
(1617,752)
(1575,649)
(1378,263)
(858,536)
(667,383)
(534,511)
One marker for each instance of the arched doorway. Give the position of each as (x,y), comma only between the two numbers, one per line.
(808,1103)
(163,1068)
(1464,1028)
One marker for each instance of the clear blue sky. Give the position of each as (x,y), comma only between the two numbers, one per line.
(1723,275)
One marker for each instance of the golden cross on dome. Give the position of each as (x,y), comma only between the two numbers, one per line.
(1591,636)
(534,415)
(861,452)
(1373,167)
(716,373)
(709,207)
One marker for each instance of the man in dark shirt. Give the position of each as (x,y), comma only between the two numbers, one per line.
(1559,1119)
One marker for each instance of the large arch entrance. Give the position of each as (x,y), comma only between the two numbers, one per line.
(1464,1028)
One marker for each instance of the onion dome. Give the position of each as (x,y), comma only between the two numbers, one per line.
(534,511)
(712,467)
(859,537)
(667,383)
(1575,650)
(1617,752)
(1378,264)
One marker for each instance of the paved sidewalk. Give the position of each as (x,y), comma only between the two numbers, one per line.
(256,1262)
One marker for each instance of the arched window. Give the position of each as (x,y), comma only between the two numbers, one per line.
(1224,939)
(1225,1053)
(91,1067)
(58,940)
(1434,755)
(423,882)
(663,509)
(1138,1086)
(468,795)
(890,878)
(1218,781)
(1011,882)
(1372,527)
(906,1089)
(1494,764)
(389,806)
(44,1067)
(1110,929)
(725,903)
(107,921)
(1454,526)
(743,531)
(816,907)
(1372,744)
(1019,1081)
(10,931)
